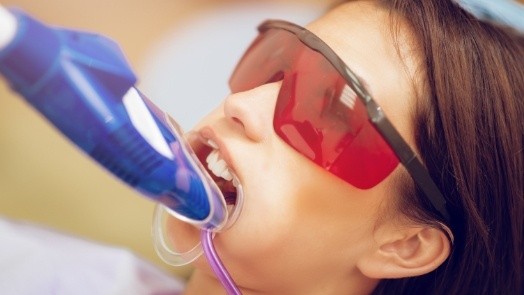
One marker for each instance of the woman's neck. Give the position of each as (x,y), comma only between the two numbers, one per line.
(202,283)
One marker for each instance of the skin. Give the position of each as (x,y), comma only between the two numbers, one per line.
(302,230)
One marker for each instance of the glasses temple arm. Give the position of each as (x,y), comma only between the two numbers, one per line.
(409,159)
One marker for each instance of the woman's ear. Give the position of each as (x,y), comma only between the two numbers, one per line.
(405,252)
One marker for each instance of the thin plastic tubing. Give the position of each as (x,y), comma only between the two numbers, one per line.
(216,264)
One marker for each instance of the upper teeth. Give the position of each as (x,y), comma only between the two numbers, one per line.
(218,166)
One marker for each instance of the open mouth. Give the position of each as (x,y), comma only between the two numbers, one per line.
(222,175)
(209,156)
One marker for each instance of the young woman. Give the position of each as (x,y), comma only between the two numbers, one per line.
(334,201)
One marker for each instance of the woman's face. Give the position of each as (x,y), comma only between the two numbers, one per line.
(300,226)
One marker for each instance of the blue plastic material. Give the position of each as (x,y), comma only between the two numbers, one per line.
(78,81)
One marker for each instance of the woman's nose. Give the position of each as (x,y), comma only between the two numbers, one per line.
(253,110)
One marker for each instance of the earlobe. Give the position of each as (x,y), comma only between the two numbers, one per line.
(411,252)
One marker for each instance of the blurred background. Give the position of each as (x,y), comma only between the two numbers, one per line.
(182,52)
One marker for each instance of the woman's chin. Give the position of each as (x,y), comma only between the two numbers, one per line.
(182,235)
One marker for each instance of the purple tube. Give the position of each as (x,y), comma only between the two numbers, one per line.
(216,264)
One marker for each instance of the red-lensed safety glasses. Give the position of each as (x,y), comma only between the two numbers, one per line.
(325,113)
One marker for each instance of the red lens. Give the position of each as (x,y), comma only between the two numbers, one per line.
(317,113)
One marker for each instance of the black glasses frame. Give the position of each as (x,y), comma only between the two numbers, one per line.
(376,115)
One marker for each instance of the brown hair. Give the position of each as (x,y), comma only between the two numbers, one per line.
(469,131)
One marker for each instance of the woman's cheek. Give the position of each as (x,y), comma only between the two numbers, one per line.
(267,215)
(260,229)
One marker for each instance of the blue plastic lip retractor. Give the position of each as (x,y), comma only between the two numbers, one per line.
(83,85)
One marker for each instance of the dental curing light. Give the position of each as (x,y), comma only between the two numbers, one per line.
(83,85)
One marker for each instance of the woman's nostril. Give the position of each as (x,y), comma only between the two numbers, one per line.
(238,121)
